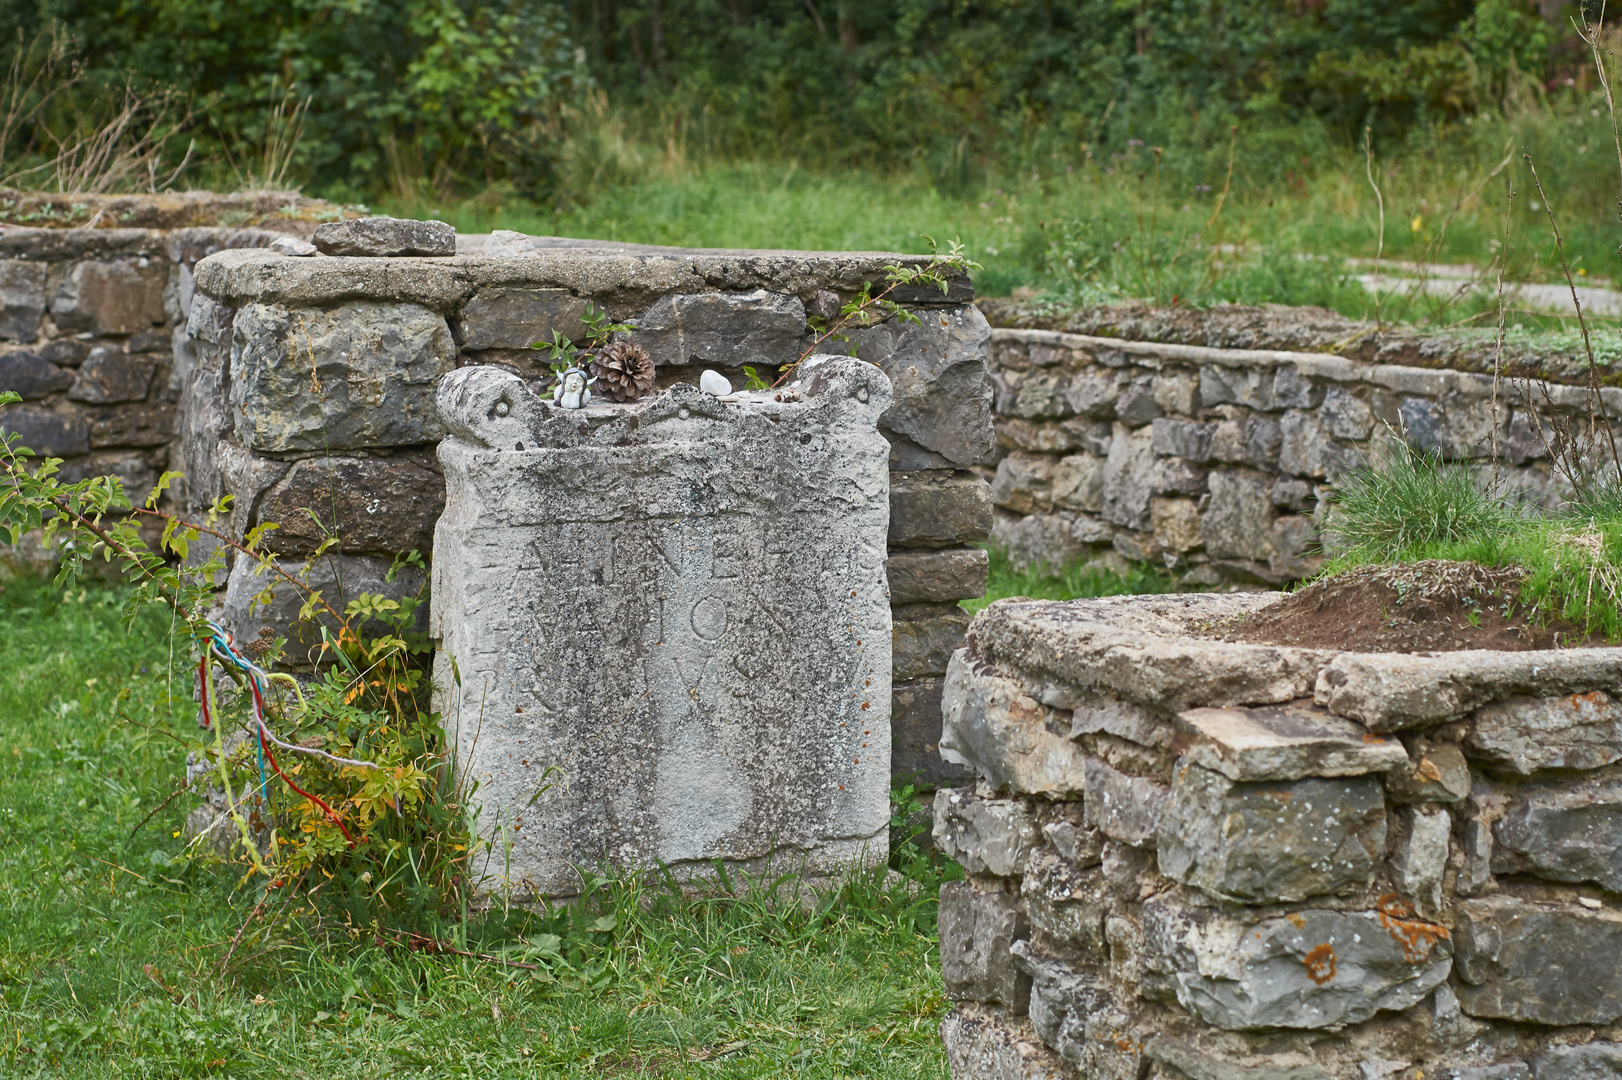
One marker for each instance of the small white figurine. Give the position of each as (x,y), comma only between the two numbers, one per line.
(714,383)
(573,390)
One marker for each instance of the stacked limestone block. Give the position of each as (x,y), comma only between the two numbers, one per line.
(1216,462)
(1195,860)
(91,336)
(664,628)
(318,374)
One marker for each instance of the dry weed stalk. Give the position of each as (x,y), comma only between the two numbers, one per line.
(39,70)
(101,154)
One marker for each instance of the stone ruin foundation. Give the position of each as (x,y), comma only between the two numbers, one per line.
(1196,860)
(311,383)
(664,626)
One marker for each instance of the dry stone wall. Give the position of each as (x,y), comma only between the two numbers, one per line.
(1190,859)
(92,335)
(315,378)
(1215,462)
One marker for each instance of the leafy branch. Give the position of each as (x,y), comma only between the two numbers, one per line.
(867,309)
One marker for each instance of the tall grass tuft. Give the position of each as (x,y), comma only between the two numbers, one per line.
(1412,502)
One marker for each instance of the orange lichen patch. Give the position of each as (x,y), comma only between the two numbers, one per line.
(1320,964)
(1371,737)
(1295,920)
(1281,795)
(1125,1046)
(1417,937)
(1427,769)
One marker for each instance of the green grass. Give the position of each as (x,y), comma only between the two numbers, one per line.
(113,949)
(1078,581)
(1411,506)
(1080,230)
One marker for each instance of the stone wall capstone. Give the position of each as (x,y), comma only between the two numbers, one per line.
(1190,859)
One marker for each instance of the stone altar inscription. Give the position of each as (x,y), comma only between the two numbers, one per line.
(664,627)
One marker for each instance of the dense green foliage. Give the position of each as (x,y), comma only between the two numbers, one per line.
(458,94)
(120,957)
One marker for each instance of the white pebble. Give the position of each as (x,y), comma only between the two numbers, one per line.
(713,383)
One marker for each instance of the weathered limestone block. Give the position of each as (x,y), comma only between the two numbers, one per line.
(1137,406)
(1092,396)
(356,376)
(1142,649)
(1539,963)
(377,505)
(1023,483)
(1312,968)
(1177,392)
(1282,742)
(1437,773)
(31,375)
(1067,901)
(1303,444)
(1263,843)
(135,425)
(48,434)
(121,296)
(924,637)
(109,376)
(1125,808)
(22,299)
(680,604)
(1421,856)
(990,725)
(1563,832)
(385,237)
(1094,713)
(1183,438)
(339,578)
(1345,415)
(1057,992)
(984,1047)
(1593,1061)
(499,317)
(942,386)
(936,509)
(1129,476)
(721,329)
(978,924)
(1525,734)
(1250,387)
(1176,524)
(1238,522)
(915,729)
(1390,692)
(937,576)
(1195,1065)
(992,837)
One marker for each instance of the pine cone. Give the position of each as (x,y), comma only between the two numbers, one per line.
(624,371)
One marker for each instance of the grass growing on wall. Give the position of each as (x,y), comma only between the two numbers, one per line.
(1078,581)
(113,951)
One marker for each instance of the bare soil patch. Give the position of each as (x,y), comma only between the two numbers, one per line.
(1430,606)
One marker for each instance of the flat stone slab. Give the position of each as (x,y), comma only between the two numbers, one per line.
(664,629)
(1282,742)
(1393,691)
(1525,734)
(1539,963)
(1309,969)
(1148,649)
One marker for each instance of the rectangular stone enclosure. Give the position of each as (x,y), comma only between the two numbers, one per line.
(665,627)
